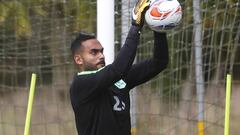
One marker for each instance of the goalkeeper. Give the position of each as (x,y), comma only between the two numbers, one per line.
(100,94)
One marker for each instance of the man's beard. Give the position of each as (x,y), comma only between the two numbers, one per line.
(91,67)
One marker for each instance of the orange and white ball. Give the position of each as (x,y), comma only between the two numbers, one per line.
(163,14)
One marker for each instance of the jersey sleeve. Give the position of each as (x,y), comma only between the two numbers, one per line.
(86,87)
(147,69)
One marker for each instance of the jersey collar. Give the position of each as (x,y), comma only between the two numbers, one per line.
(89,72)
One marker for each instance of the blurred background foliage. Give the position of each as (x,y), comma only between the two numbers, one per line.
(35,36)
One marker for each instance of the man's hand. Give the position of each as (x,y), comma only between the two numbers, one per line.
(139,11)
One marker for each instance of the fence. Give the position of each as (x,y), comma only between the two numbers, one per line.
(35,37)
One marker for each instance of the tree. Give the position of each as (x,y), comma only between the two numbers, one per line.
(44,27)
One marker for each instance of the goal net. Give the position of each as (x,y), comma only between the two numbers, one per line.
(35,36)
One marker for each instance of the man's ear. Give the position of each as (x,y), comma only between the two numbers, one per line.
(78,59)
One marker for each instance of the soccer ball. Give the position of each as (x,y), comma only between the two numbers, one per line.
(163,14)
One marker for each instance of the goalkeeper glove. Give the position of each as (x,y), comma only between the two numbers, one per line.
(139,11)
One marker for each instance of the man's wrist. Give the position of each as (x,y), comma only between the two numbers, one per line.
(159,34)
(136,28)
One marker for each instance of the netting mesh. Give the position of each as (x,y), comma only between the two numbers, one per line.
(35,36)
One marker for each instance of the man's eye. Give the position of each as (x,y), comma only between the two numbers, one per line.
(94,52)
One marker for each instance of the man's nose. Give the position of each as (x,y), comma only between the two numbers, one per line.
(101,56)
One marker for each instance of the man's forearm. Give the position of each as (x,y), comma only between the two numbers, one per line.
(160,52)
(126,56)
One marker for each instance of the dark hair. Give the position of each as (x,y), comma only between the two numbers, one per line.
(79,39)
